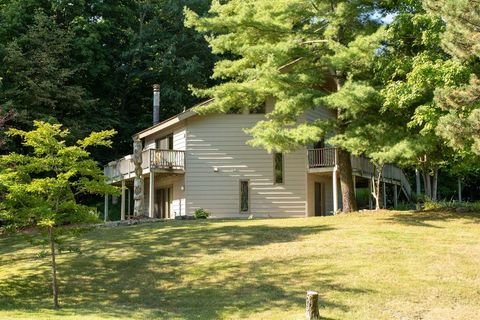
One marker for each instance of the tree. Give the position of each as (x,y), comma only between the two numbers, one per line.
(38,76)
(299,52)
(105,55)
(40,189)
(410,68)
(460,126)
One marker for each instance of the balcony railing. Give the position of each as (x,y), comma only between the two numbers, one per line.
(327,157)
(152,159)
(324,157)
(167,159)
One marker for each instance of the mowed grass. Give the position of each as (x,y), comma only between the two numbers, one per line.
(386,265)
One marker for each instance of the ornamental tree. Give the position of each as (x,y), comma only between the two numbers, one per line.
(39,189)
(299,52)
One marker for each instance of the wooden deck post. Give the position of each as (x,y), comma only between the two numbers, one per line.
(122,210)
(417,182)
(105,213)
(370,204)
(395,196)
(384,195)
(129,210)
(459,189)
(312,312)
(354,185)
(151,193)
(335,190)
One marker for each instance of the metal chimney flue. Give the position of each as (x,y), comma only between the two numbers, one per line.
(156,104)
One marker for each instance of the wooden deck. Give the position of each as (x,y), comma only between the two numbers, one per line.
(156,160)
(325,159)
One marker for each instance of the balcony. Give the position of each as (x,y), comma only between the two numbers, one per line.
(157,160)
(325,159)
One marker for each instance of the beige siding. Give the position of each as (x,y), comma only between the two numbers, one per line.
(318,113)
(218,158)
(179,137)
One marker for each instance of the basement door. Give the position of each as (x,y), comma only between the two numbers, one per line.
(164,202)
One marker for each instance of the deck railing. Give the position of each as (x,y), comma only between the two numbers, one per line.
(324,157)
(327,157)
(124,168)
(167,159)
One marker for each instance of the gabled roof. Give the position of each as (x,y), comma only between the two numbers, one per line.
(170,121)
(189,112)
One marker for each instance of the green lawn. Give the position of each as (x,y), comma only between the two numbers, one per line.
(387,265)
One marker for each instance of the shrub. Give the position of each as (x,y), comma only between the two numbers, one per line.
(452,205)
(404,206)
(201,214)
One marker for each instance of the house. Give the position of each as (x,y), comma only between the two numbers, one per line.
(193,161)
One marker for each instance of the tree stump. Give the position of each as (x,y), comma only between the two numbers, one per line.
(312,312)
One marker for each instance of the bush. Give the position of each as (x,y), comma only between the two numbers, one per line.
(452,205)
(201,214)
(404,206)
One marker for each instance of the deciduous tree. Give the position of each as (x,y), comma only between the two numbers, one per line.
(39,189)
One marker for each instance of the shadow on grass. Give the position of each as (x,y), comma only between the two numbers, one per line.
(176,270)
(425,218)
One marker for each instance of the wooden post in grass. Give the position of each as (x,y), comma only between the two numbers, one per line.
(312,312)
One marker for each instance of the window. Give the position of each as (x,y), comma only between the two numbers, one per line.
(278,167)
(244,196)
(165,143)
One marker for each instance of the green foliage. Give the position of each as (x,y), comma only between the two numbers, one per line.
(404,206)
(201,214)
(362,195)
(91,64)
(40,189)
(296,51)
(462,18)
(452,206)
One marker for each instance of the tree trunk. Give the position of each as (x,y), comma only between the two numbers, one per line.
(428,185)
(54,269)
(346,181)
(343,158)
(435,185)
(312,312)
(376,186)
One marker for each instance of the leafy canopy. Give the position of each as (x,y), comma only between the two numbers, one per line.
(40,188)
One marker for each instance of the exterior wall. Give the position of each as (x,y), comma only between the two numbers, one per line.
(178,206)
(179,138)
(318,113)
(217,158)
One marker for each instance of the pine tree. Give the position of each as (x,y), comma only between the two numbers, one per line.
(300,52)
(460,126)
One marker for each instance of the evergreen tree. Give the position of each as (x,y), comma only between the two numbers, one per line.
(460,126)
(38,76)
(303,53)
